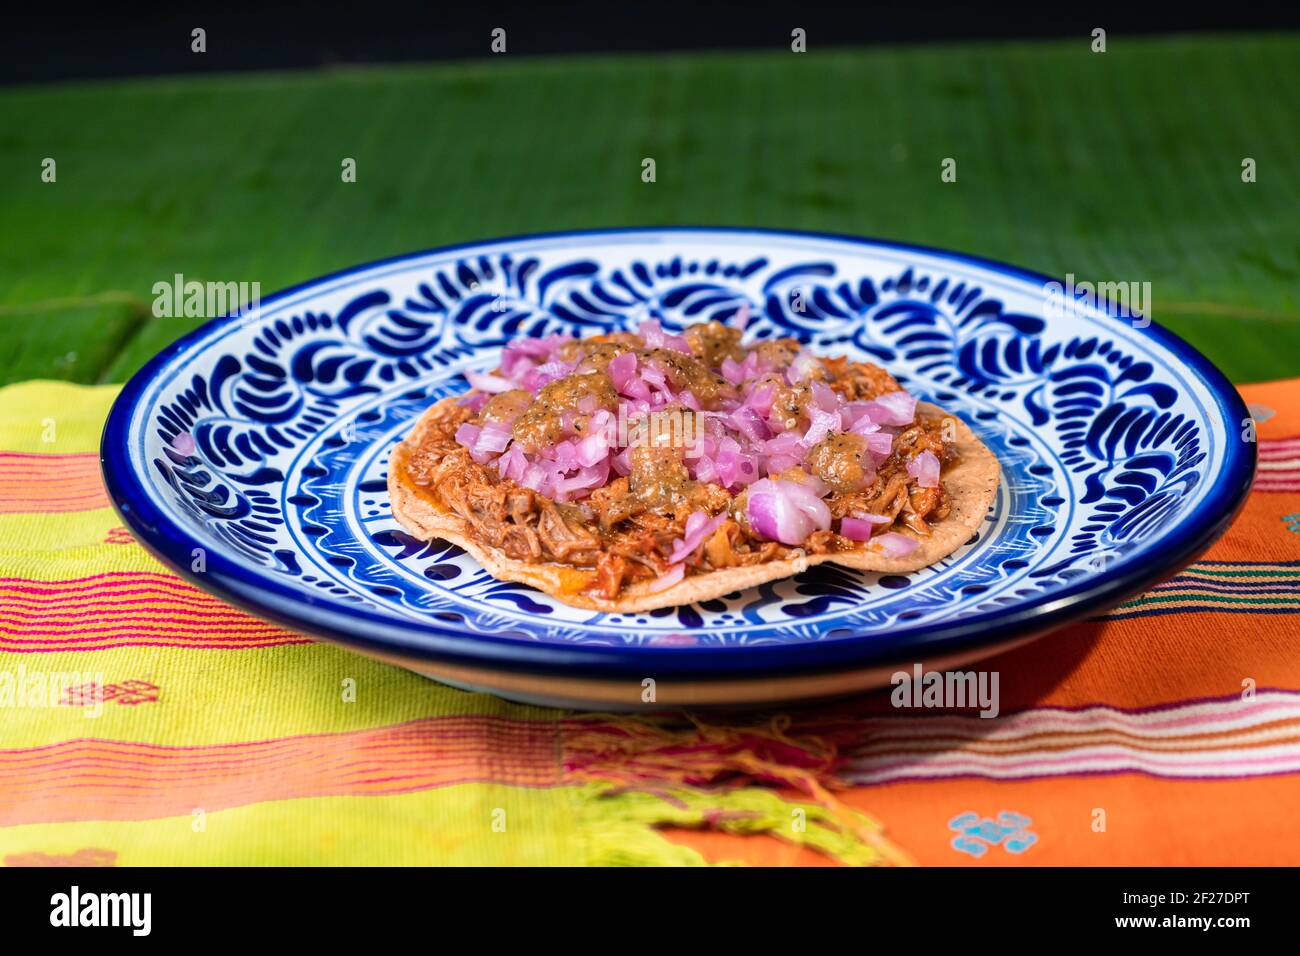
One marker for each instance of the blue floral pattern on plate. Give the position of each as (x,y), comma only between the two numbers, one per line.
(265,438)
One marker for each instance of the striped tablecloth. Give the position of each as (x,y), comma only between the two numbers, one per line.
(144,721)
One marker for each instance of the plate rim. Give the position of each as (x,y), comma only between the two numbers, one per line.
(355,627)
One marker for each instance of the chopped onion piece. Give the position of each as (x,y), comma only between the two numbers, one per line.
(475,401)
(874,519)
(803,365)
(786,443)
(542,347)
(493,384)
(492,438)
(592,477)
(520,355)
(654,377)
(184,444)
(880,444)
(855,415)
(533,477)
(893,408)
(563,453)
(557,369)
(668,578)
(826,397)
(592,449)
(815,485)
(538,378)
(467,434)
(746,421)
(823,423)
(760,400)
(699,528)
(733,371)
(855,529)
(513,463)
(622,369)
(895,545)
(786,511)
(656,338)
(515,366)
(740,318)
(925,469)
(727,462)
(779,463)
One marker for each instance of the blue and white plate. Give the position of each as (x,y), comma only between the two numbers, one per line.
(261,442)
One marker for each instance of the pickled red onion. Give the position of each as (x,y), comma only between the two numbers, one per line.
(925,469)
(895,545)
(855,529)
(699,528)
(668,578)
(492,384)
(786,511)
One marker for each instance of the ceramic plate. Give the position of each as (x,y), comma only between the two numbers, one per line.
(263,440)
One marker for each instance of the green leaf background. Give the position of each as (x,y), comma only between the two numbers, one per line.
(1122,166)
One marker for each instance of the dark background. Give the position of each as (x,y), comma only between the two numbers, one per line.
(52,42)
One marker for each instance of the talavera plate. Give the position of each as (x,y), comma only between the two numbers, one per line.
(263,439)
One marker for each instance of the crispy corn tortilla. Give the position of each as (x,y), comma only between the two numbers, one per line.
(971,484)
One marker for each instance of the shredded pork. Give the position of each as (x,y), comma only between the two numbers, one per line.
(625,531)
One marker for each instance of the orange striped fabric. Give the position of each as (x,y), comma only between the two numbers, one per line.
(1174,718)
(124,609)
(92,779)
(1231,587)
(44,484)
(1166,732)
(1279,466)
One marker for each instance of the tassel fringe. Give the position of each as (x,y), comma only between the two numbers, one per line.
(681,771)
